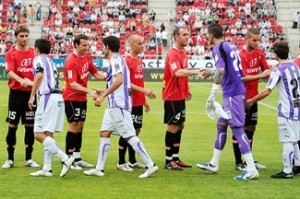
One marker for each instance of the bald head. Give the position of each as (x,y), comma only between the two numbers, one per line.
(133,38)
(135,42)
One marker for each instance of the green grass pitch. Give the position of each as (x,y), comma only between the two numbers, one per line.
(197,145)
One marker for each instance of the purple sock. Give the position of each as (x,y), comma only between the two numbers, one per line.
(221,136)
(242,140)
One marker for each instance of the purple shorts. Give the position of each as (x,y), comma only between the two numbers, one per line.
(235,108)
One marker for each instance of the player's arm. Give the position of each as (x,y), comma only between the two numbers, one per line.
(266,92)
(264,66)
(186,72)
(74,85)
(99,75)
(25,82)
(181,72)
(147,92)
(275,77)
(218,75)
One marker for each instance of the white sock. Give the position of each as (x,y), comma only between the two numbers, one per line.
(139,148)
(47,159)
(216,157)
(76,155)
(103,152)
(288,156)
(250,162)
(296,154)
(52,146)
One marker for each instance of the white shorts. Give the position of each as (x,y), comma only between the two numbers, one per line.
(288,130)
(49,115)
(118,121)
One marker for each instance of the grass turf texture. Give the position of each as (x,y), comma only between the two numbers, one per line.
(196,147)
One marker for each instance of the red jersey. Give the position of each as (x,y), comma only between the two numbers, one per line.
(175,88)
(135,66)
(19,62)
(77,69)
(252,63)
(297,60)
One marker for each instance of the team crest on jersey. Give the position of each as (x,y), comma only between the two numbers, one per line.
(173,66)
(139,68)
(70,74)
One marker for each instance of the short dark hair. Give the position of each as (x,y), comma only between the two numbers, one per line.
(21,28)
(176,31)
(252,31)
(216,30)
(281,49)
(112,42)
(43,45)
(78,38)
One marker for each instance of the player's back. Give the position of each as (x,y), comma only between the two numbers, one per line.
(227,56)
(50,81)
(289,90)
(121,97)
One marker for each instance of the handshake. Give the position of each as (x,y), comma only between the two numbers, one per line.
(97,95)
(26,82)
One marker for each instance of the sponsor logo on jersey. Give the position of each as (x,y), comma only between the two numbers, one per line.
(26,62)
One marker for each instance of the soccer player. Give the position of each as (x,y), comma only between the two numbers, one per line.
(135,66)
(229,74)
(117,118)
(19,69)
(253,61)
(286,78)
(50,109)
(78,66)
(175,92)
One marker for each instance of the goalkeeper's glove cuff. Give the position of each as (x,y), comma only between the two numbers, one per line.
(214,89)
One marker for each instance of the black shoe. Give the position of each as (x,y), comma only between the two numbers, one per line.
(173,166)
(282,174)
(296,170)
(241,167)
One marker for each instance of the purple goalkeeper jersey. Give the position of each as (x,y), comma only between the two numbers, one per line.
(232,83)
(286,76)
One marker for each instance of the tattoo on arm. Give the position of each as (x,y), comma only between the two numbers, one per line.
(218,76)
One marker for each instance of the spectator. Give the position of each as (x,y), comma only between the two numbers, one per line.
(296,19)
(38,7)
(31,14)
(164,37)
(152,16)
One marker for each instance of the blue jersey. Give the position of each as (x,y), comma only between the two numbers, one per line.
(286,76)
(232,82)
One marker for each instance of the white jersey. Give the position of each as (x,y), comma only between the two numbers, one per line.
(50,80)
(49,115)
(121,97)
(286,76)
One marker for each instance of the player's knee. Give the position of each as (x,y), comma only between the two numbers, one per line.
(172,128)
(250,128)
(105,134)
(12,125)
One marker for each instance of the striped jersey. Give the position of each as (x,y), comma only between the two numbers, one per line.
(286,76)
(42,63)
(121,97)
